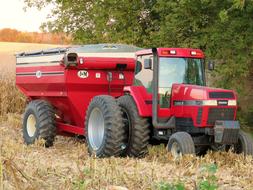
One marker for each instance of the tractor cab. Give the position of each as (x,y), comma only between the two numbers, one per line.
(161,73)
(176,66)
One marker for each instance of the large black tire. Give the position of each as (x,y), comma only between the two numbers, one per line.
(39,122)
(104,127)
(244,144)
(181,143)
(137,128)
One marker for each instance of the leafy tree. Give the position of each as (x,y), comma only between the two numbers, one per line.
(223,29)
(101,20)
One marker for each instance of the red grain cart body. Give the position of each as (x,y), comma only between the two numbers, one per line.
(100,70)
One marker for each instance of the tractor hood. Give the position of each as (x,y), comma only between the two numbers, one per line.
(201,105)
(184,92)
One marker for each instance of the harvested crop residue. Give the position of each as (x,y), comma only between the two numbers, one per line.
(67,165)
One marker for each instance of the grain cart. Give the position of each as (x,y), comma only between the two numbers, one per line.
(121,100)
(70,88)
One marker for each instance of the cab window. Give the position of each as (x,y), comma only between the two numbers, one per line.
(143,77)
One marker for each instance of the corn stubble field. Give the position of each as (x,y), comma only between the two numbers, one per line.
(67,165)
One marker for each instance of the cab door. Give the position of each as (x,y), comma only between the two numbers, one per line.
(144,78)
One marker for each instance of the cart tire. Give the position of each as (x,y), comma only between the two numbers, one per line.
(137,128)
(181,143)
(104,127)
(39,122)
(244,144)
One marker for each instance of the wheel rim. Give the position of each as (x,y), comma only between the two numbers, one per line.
(175,150)
(96,128)
(31,125)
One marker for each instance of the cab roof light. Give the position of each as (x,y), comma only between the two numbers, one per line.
(195,53)
(169,52)
(173,52)
(165,52)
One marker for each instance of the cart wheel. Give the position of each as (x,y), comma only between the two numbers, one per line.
(104,127)
(244,144)
(181,143)
(136,128)
(39,122)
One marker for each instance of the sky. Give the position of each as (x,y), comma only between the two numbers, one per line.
(12,15)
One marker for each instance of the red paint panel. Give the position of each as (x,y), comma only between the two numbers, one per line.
(69,128)
(105,63)
(40,68)
(140,97)
(71,94)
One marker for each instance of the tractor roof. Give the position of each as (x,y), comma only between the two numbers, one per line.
(174,52)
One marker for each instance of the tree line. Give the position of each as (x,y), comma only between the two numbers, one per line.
(12,35)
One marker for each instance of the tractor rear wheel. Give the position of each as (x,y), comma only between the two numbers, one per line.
(244,144)
(39,122)
(104,127)
(137,128)
(181,143)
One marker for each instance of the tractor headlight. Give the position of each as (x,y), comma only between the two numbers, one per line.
(232,103)
(209,103)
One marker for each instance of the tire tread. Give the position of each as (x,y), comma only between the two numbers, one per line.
(185,141)
(113,123)
(45,116)
(139,137)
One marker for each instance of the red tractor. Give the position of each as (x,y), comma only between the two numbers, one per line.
(121,100)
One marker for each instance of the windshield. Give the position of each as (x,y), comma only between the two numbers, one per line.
(180,70)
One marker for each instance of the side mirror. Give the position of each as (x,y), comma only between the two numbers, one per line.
(147,63)
(70,59)
(210,65)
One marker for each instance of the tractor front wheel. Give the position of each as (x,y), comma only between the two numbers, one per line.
(104,127)
(181,143)
(244,144)
(39,122)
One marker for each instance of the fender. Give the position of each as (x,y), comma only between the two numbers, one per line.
(142,100)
